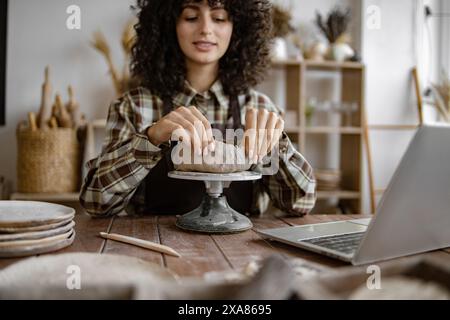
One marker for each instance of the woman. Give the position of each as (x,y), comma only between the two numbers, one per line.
(197,62)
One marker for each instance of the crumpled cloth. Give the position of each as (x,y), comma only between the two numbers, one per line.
(120,277)
(103,276)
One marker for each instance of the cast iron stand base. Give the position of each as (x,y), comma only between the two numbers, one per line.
(214,215)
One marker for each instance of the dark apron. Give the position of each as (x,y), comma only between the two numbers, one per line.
(167,196)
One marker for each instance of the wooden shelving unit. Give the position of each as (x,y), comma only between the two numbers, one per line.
(349,195)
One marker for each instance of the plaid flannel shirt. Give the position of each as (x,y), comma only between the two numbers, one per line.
(114,179)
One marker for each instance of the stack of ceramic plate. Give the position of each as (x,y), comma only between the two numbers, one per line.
(30,228)
(328,180)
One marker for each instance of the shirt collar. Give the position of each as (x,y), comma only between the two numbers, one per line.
(185,97)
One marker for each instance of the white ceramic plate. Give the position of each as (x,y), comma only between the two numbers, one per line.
(30,213)
(6,245)
(30,250)
(51,226)
(37,234)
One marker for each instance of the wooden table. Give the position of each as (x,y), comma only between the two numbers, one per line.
(200,253)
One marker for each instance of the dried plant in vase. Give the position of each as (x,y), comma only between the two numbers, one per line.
(281,22)
(281,19)
(335,30)
(122,81)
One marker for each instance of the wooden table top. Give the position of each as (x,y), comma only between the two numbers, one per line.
(200,253)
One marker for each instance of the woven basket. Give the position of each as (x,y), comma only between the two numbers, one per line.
(48,161)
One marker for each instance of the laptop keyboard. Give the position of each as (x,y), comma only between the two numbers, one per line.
(345,243)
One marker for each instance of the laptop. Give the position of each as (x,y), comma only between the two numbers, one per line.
(412,217)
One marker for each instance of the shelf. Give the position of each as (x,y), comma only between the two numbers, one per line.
(341,194)
(325,130)
(99,124)
(342,130)
(333,65)
(319,65)
(392,127)
(287,62)
(69,197)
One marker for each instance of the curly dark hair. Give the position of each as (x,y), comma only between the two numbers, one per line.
(159,64)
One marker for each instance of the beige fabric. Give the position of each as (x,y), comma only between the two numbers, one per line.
(415,277)
(402,288)
(101,276)
(122,277)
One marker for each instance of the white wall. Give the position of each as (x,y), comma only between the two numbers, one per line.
(445,34)
(390,53)
(37,36)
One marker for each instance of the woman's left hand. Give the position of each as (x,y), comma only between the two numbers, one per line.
(263,130)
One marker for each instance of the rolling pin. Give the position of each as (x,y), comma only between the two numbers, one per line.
(53,123)
(63,116)
(45,109)
(32,121)
(74,108)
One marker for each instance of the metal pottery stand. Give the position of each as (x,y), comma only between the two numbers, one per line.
(214,215)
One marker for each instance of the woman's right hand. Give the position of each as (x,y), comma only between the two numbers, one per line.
(185,124)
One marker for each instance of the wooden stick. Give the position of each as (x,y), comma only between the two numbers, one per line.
(45,109)
(369,162)
(53,123)
(73,108)
(418,94)
(64,118)
(140,243)
(32,121)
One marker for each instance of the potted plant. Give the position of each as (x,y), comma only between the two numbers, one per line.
(281,19)
(335,30)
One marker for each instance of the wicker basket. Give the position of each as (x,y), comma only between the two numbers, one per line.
(48,161)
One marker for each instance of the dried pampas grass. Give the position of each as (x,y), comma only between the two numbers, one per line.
(121,82)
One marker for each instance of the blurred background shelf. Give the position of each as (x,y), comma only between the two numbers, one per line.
(57,197)
(304,130)
(322,65)
(99,124)
(325,130)
(341,194)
